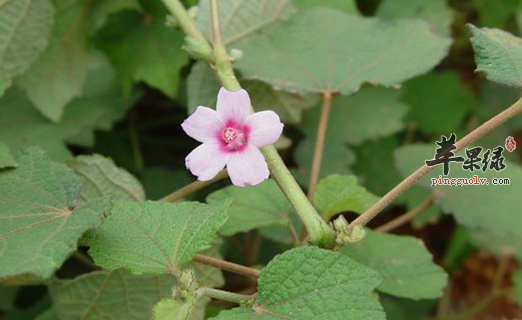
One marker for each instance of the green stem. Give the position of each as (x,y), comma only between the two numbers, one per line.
(320,233)
(224,295)
(193,187)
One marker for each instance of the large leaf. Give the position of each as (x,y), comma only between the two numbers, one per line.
(41,219)
(253,207)
(155,237)
(202,88)
(436,12)
(324,50)
(58,74)
(498,54)
(349,6)
(471,205)
(143,48)
(369,114)
(6,158)
(404,263)
(103,178)
(310,283)
(241,19)
(115,295)
(336,194)
(441,115)
(26,26)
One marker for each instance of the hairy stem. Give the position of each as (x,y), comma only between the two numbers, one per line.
(193,187)
(185,21)
(319,143)
(227,266)
(412,179)
(320,233)
(404,218)
(223,295)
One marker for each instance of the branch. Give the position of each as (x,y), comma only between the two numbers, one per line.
(224,295)
(417,175)
(404,218)
(228,266)
(319,143)
(193,187)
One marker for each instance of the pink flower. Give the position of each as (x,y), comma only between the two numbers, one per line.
(231,135)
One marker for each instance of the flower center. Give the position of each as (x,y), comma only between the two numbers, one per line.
(235,139)
(229,135)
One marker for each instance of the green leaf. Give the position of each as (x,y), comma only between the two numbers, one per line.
(103,178)
(170,309)
(101,10)
(4,85)
(155,237)
(471,205)
(494,98)
(6,158)
(436,12)
(336,194)
(26,26)
(369,114)
(413,198)
(400,309)
(452,105)
(311,283)
(115,295)
(348,6)
(497,54)
(496,13)
(323,50)
(242,19)
(58,74)
(375,165)
(404,263)
(253,207)
(15,108)
(161,181)
(41,217)
(143,48)
(337,159)
(202,88)
(498,244)
(7,297)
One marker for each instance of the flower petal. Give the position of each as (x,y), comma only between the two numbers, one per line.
(207,160)
(265,128)
(247,167)
(203,124)
(233,106)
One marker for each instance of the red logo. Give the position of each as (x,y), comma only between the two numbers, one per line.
(511,144)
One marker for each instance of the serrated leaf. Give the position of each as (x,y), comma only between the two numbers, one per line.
(115,295)
(444,114)
(253,207)
(336,194)
(26,26)
(311,283)
(103,178)
(497,54)
(470,204)
(58,74)
(202,87)
(242,18)
(6,158)
(369,114)
(323,50)
(41,218)
(155,237)
(436,12)
(143,48)
(348,6)
(404,263)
